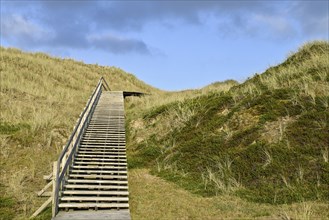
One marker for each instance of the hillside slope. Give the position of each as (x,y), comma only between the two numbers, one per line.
(41,98)
(265,140)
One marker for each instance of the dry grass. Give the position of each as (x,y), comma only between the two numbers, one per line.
(154,198)
(40,100)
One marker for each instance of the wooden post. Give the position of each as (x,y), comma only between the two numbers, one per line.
(54,208)
(44,205)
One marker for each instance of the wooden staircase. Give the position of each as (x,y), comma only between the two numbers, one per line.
(98,177)
(95,185)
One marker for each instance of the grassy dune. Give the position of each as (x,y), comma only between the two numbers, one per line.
(253,150)
(41,98)
(265,140)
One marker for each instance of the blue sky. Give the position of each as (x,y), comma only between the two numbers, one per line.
(172,45)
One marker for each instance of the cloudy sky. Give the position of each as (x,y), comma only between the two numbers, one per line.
(171,45)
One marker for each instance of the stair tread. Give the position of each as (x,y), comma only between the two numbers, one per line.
(98,171)
(121,167)
(118,163)
(98,181)
(91,198)
(93,176)
(101,156)
(97,192)
(100,152)
(85,186)
(93,205)
(107,145)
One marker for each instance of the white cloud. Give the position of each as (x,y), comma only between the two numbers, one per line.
(278,26)
(20,30)
(117,45)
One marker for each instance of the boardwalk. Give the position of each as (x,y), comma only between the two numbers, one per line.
(96,184)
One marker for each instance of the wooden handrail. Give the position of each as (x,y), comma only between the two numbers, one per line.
(66,157)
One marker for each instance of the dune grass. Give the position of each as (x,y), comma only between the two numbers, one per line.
(41,98)
(153,198)
(253,150)
(264,140)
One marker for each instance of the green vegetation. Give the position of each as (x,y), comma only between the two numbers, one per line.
(265,140)
(259,148)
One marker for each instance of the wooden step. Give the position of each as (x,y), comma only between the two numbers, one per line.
(94,198)
(117,172)
(110,124)
(102,141)
(93,205)
(107,146)
(92,143)
(103,149)
(117,167)
(99,128)
(100,160)
(97,176)
(118,163)
(96,192)
(103,187)
(100,151)
(108,182)
(105,132)
(104,136)
(101,156)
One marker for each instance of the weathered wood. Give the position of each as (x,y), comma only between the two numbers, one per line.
(100,171)
(48,177)
(54,198)
(98,176)
(42,207)
(95,192)
(98,165)
(98,181)
(118,163)
(47,194)
(41,192)
(94,205)
(94,198)
(117,167)
(104,187)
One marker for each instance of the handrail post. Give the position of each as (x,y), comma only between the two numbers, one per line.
(55,202)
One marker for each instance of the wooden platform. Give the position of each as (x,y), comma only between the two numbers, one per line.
(97,185)
(93,215)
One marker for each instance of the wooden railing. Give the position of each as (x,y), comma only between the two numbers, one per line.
(60,167)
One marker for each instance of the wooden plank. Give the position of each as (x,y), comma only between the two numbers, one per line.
(100,160)
(118,163)
(119,167)
(99,152)
(101,156)
(54,199)
(48,177)
(41,192)
(122,214)
(103,187)
(99,171)
(42,207)
(98,181)
(95,192)
(94,198)
(94,205)
(95,176)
